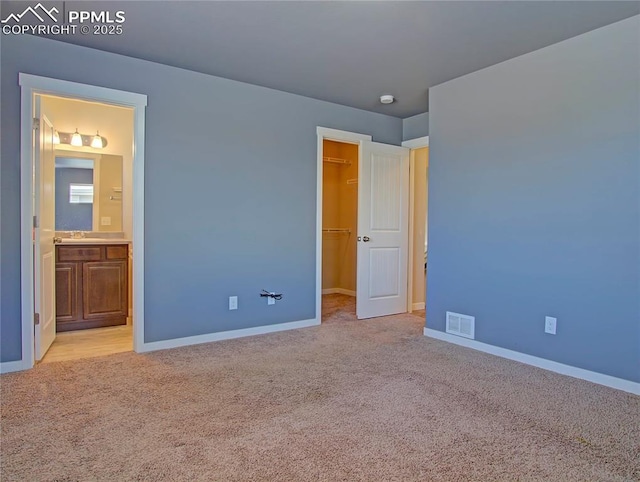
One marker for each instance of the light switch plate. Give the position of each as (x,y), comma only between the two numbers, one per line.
(233,302)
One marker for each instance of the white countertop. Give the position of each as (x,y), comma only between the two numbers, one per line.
(94,241)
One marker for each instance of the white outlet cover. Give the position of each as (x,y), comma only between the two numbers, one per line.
(550,324)
(105,220)
(271,301)
(233,302)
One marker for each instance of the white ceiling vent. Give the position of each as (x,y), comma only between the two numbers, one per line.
(461,325)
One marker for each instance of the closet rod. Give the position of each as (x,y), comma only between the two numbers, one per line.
(336,160)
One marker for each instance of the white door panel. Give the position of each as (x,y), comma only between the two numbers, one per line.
(383,229)
(384,260)
(44,206)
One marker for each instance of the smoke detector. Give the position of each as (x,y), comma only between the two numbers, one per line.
(386,99)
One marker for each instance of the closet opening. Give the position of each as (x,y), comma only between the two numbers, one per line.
(339,229)
(362,227)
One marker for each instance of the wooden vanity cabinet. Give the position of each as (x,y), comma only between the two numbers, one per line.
(91,286)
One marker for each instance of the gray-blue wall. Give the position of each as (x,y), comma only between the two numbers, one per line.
(534,201)
(415,126)
(72,217)
(230,189)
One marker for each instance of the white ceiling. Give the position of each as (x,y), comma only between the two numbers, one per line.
(344,52)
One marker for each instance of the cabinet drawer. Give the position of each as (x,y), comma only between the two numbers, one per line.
(117,252)
(79,253)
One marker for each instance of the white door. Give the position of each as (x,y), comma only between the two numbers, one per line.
(44,253)
(383,229)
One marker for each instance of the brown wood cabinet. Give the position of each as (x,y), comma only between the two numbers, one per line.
(91,286)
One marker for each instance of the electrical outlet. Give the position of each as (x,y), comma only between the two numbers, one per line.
(271,301)
(550,325)
(105,221)
(233,302)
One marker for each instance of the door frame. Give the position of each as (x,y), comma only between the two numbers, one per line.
(325,133)
(30,85)
(412,144)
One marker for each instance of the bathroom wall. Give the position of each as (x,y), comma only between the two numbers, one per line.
(116,124)
(110,199)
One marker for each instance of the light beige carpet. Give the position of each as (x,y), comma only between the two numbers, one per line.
(352,400)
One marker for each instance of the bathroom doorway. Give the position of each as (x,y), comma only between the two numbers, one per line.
(419,228)
(419,224)
(78,275)
(92,195)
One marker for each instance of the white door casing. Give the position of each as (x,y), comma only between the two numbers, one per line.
(44,200)
(383,230)
(325,133)
(30,85)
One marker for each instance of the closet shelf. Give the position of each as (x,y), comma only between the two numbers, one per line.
(336,160)
(336,230)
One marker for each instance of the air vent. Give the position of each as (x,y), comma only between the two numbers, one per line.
(461,325)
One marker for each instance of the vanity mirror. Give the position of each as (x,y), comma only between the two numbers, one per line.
(88,192)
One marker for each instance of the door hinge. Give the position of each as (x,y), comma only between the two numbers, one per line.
(36,318)
(35,221)
(36,123)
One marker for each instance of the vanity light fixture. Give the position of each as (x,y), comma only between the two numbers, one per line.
(76,139)
(96,142)
(80,140)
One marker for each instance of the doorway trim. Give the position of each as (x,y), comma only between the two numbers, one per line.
(325,133)
(416,143)
(412,144)
(31,85)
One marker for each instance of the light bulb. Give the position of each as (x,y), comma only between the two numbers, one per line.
(56,137)
(96,142)
(76,139)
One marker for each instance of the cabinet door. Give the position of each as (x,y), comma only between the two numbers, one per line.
(67,295)
(104,287)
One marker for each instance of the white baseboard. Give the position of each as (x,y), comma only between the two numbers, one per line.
(226,335)
(595,377)
(11,366)
(340,291)
(418,306)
